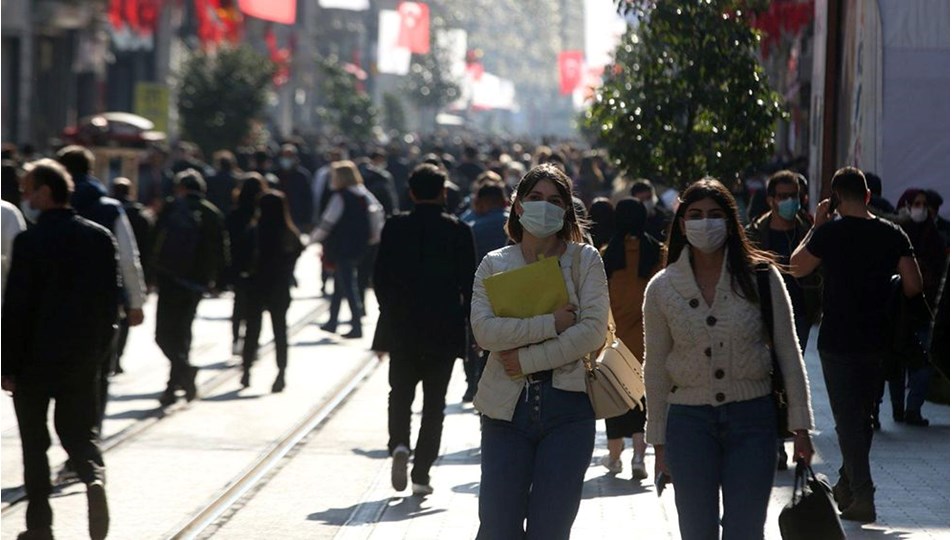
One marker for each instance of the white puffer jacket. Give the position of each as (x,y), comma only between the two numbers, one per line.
(540,347)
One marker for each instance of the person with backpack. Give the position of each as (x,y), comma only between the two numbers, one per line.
(351,223)
(275,246)
(190,252)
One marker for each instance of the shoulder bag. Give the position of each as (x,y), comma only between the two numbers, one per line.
(614,381)
(778,390)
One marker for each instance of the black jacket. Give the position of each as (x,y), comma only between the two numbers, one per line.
(423,279)
(62,298)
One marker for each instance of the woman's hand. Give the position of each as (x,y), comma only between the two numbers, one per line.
(660,466)
(565,317)
(510,362)
(802,446)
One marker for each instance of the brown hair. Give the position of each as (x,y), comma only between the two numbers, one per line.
(345,174)
(742,256)
(571,228)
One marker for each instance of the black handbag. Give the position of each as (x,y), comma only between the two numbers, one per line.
(778,390)
(811,512)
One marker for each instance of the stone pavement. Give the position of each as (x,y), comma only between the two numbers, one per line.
(337,485)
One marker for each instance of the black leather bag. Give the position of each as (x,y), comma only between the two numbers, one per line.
(811,512)
(778,390)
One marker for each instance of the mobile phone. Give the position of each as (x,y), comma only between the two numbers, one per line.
(834,203)
(660,482)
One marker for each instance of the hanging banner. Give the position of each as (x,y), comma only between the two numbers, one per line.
(570,71)
(414,26)
(391,57)
(279,11)
(350,5)
(453,42)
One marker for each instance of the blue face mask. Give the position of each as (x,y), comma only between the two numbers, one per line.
(788,208)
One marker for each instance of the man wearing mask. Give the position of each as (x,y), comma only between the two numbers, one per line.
(423,279)
(659,217)
(293,181)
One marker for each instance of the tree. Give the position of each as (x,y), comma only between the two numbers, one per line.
(346,108)
(686,97)
(220,94)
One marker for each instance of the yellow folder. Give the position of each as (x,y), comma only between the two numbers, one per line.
(534,289)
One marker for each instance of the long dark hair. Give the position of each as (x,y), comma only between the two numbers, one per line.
(630,217)
(742,257)
(571,229)
(252,184)
(276,231)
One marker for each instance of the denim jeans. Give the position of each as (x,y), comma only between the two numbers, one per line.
(345,285)
(729,450)
(853,383)
(533,467)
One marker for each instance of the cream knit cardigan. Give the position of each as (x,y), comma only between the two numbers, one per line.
(540,346)
(697,354)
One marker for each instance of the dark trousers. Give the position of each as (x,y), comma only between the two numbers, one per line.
(345,285)
(406,370)
(121,342)
(279,324)
(74,417)
(106,367)
(239,310)
(852,383)
(173,327)
(365,272)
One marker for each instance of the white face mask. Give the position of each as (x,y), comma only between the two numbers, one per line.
(707,235)
(29,213)
(541,219)
(919,214)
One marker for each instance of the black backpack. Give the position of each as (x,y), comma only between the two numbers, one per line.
(178,240)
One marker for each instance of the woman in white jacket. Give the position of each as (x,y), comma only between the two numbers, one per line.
(538,427)
(711,416)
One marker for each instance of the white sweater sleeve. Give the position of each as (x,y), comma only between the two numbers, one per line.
(588,333)
(799,412)
(496,334)
(129,266)
(658,344)
(333,213)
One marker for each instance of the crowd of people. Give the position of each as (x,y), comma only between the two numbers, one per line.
(684,275)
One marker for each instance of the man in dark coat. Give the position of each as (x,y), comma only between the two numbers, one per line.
(423,280)
(59,317)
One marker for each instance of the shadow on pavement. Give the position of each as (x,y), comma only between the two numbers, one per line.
(394,509)
(233,395)
(372,454)
(610,485)
(135,414)
(471,488)
(321,342)
(134,397)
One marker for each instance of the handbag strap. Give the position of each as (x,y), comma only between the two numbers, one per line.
(766,312)
(589,359)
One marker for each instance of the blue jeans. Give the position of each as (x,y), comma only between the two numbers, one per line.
(852,384)
(345,286)
(729,450)
(533,467)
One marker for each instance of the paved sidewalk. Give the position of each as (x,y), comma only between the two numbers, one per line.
(348,496)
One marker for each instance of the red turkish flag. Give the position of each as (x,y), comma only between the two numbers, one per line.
(414,27)
(570,71)
(279,11)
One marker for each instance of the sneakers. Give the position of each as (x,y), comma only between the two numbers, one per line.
(614,466)
(398,469)
(638,470)
(422,489)
(98,510)
(861,511)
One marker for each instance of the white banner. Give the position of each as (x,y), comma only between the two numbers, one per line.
(453,43)
(603,30)
(351,5)
(391,58)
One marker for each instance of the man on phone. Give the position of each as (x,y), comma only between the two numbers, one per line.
(860,253)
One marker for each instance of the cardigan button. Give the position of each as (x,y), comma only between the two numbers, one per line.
(720,397)
(694,303)
(707,352)
(711,321)
(719,374)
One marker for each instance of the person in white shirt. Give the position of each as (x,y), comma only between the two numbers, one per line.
(13,224)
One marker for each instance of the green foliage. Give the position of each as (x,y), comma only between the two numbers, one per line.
(687,97)
(394,117)
(429,84)
(346,109)
(220,94)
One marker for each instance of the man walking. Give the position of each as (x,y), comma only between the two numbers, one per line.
(423,280)
(191,251)
(859,253)
(59,315)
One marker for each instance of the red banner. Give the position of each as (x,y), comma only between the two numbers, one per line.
(414,27)
(570,71)
(279,11)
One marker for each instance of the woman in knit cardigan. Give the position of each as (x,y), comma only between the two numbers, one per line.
(711,416)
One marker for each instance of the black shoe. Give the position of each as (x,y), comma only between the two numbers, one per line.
(329,327)
(842,495)
(168,397)
(355,333)
(118,371)
(191,391)
(863,512)
(36,534)
(469,395)
(782,464)
(916,419)
(899,415)
(98,511)
(278,385)
(246,379)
